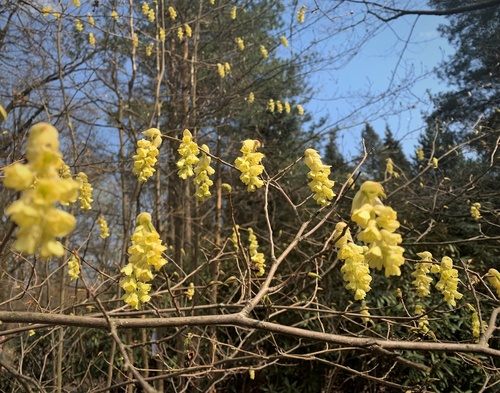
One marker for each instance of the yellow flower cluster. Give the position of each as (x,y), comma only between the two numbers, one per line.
(364,311)
(389,168)
(46,10)
(422,281)
(494,279)
(271,105)
(378,223)
(423,322)
(190,292)
(420,153)
(202,171)
(162,35)
(91,20)
(257,258)
(300,110)
(249,165)
(91,39)
(475,323)
(474,211)
(147,151)
(115,15)
(145,254)
(355,270)
(39,221)
(189,151)
(301,14)
(103,226)
(78,25)
(172,13)
(448,282)
(320,184)
(223,69)
(241,44)
(264,52)
(149,49)
(233,12)
(73,267)
(86,189)
(76,3)
(284,41)
(150,13)
(251,98)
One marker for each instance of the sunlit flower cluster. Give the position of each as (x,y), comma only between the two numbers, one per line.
(78,25)
(301,14)
(223,69)
(448,282)
(264,51)
(162,35)
(91,39)
(320,184)
(145,255)
(249,165)
(76,3)
(300,110)
(240,42)
(251,97)
(364,311)
(494,279)
(202,171)
(189,151)
(475,322)
(73,267)
(91,20)
(378,223)
(233,12)
(147,151)
(39,221)
(86,189)
(284,41)
(150,13)
(190,291)
(355,270)
(474,211)
(115,15)
(422,281)
(172,13)
(257,258)
(423,321)
(420,153)
(235,237)
(103,226)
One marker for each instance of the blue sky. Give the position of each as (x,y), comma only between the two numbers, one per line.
(399,57)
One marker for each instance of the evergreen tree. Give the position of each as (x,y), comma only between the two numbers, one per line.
(374,166)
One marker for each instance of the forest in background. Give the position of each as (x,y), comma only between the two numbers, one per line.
(268,277)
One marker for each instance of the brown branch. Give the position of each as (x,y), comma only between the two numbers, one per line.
(240,320)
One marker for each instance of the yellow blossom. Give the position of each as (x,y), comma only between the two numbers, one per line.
(420,153)
(190,292)
(434,162)
(279,107)
(145,8)
(86,189)
(203,170)
(355,270)
(422,281)
(39,221)
(364,311)
(103,226)
(180,33)
(145,255)
(301,14)
(249,165)
(189,151)
(493,277)
(91,20)
(135,40)
(221,70)
(288,109)
(263,51)
(188,30)
(227,68)
(73,267)
(300,110)
(474,211)
(475,323)
(251,373)
(162,35)
(147,151)
(284,41)
(271,105)
(151,15)
(257,258)
(448,282)
(172,13)
(320,184)
(233,12)
(46,10)
(78,25)
(235,237)
(251,98)
(369,192)
(76,3)
(342,234)
(240,43)
(423,321)
(149,49)
(114,15)
(91,39)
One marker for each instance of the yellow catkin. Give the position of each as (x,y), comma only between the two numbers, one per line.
(233,12)
(39,221)
(271,105)
(188,151)
(263,51)
(91,20)
(474,211)
(103,226)
(249,164)
(320,184)
(251,98)
(448,283)
(172,13)
(300,110)
(146,154)
(257,258)
(301,14)
(203,171)
(78,25)
(240,43)
(73,267)
(284,41)
(162,35)
(91,39)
